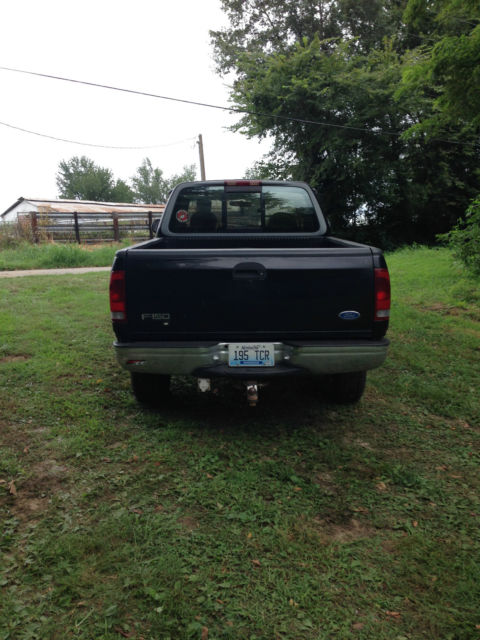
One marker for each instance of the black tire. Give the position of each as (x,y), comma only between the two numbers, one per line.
(150,388)
(346,388)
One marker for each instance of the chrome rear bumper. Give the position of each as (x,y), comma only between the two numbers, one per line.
(210,359)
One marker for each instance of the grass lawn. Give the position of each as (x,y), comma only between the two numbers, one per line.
(209,519)
(54,256)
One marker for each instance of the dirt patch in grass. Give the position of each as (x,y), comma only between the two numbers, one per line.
(351,440)
(48,470)
(26,508)
(19,357)
(34,493)
(326,532)
(440,307)
(347,532)
(326,480)
(445,309)
(455,424)
(188,523)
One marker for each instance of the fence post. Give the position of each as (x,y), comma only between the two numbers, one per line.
(34,223)
(150,222)
(77,228)
(116,230)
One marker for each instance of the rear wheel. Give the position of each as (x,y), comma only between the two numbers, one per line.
(150,388)
(346,388)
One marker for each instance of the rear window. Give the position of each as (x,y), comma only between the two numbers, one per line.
(243,209)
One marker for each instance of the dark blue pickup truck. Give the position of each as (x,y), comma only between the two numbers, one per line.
(244,280)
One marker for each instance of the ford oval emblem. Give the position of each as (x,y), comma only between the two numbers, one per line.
(349,315)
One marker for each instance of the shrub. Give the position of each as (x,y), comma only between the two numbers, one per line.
(464,238)
(19,233)
(10,235)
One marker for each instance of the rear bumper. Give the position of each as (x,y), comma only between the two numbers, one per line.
(207,359)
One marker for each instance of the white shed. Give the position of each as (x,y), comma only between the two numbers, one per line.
(27,205)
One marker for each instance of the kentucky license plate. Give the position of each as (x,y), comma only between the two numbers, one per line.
(251,355)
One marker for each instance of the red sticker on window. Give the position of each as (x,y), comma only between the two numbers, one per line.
(182,215)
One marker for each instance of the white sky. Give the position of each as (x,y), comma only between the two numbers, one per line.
(157,46)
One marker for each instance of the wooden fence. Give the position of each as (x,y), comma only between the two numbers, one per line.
(88,227)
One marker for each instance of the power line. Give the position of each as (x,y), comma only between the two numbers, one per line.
(376,131)
(89,144)
(200,104)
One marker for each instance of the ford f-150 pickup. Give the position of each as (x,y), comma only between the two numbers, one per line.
(243,279)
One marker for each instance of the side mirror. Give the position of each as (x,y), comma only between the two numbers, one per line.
(155,226)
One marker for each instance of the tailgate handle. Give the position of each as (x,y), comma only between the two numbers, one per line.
(249,271)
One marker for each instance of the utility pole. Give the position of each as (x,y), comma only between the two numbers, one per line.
(202,159)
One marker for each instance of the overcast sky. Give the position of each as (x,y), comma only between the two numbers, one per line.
(156,46)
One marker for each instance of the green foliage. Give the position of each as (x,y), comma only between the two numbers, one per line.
(275,26)
(340,64)
(464,238)
(188,174)
(121,192)
(448,60)
(81,179)
(150,185)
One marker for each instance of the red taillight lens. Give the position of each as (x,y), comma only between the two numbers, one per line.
(382,294)
(117,296)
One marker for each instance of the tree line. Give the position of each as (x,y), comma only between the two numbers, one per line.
(375,103)
(79,178)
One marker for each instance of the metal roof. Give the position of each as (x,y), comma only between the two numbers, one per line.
(86,206)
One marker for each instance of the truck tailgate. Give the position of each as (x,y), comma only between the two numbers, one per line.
(221,294)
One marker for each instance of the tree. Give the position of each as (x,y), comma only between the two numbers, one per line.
(275,26)
(449,59)
(150,185)
(122,192)
(81,179)
(447,66)
(188,174)
(321,79)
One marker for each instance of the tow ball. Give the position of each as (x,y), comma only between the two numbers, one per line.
(252,393)
(205,385)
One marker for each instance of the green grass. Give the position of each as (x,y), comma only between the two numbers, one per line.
(293,520)
(53,256)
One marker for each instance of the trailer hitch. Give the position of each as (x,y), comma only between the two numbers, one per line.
(252,393)
(204,385)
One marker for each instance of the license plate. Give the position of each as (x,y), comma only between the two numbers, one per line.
(251,355)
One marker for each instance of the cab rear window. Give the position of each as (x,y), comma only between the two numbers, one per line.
(243,209)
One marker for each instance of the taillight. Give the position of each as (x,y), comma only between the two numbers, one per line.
(117,296)
(382,294)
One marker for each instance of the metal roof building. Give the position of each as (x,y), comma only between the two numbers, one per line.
(84,207)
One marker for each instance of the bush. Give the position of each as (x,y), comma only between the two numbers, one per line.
(464,238)
(14,234)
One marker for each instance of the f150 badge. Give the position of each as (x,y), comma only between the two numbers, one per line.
(161,317)
(349,315)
